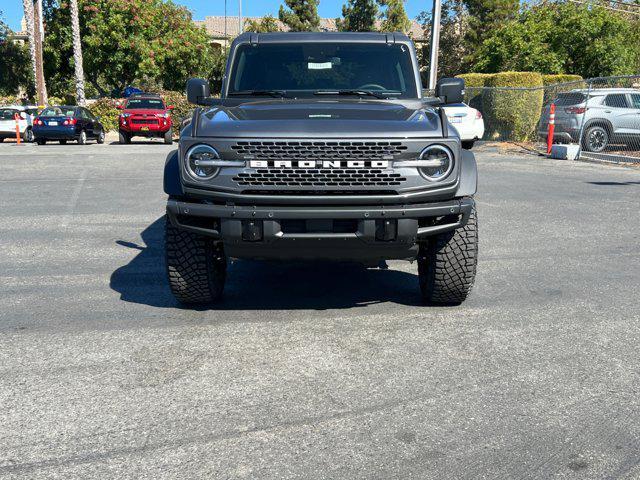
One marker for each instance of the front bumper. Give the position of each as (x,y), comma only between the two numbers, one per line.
(322,232)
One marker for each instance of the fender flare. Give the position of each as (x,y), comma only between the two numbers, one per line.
(601,122)
(171,180)
(468,175)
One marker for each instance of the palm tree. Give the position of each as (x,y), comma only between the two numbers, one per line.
(28,17)
(77,53)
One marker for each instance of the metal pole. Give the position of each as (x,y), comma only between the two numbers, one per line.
(239,16)
(435,44)
(226,39)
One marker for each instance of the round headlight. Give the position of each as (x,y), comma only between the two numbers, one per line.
(438,161)
(197,159)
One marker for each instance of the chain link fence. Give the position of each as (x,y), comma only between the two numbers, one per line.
(596,119)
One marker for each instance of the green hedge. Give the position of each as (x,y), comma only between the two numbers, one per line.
(512,114)
(560,78)
(105,108)
(473,83)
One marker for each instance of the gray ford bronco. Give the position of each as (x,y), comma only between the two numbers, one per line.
(321,147)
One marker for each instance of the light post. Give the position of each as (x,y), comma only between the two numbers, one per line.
(240,16)
(435,44)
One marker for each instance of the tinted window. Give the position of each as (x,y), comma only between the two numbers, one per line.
(58,112)
(635,100)
(307,67)
(139,103)
(7,113)
(569,99)
(616,100)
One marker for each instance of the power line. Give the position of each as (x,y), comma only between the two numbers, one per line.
(591,4)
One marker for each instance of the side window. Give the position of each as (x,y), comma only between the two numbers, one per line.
(616,100)
(87,114)
(635,100)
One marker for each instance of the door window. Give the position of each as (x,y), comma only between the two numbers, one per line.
(616,100)
(635,100)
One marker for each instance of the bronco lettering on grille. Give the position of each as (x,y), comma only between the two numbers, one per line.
(319,163)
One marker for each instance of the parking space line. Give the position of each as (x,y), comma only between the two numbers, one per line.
(73,201)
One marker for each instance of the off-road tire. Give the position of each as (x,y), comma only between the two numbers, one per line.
(468,144)
(124,138)
(196,268)
(82,138)
(447,264)
(168,137)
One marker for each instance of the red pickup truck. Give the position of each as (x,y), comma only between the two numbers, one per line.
(145,115)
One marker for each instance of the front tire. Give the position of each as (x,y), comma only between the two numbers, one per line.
(447,264)
(40,141)
(100,138)
(168,137)
(468,144)
(124,138)
(82,139)
(196,267)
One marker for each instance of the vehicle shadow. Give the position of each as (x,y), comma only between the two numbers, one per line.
(254,285)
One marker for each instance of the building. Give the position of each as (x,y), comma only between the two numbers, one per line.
(222,33)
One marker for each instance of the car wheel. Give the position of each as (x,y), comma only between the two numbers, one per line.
(27,136)
(168,138)
(100,138)
(40,141)
(82,139)
(124,138)
(196,267)
(447,264)
(596,139)
(63,142)
(1,139)
(468,144)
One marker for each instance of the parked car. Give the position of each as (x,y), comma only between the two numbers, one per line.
(67,122)
(467,121)
(25,122)
(145,115)
(609,115)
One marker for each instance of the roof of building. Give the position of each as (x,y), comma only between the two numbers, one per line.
(215,26)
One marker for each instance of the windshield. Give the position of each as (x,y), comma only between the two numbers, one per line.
(7,114)
(58,112)
(303,69)
(146,103)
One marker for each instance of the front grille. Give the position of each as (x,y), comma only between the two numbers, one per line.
(319,177)
(145,121)
(322,150)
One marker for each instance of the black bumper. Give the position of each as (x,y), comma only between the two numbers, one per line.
(366,233)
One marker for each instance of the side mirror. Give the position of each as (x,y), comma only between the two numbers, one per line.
(198,91)
(171,107)
(120,106)
(450,90)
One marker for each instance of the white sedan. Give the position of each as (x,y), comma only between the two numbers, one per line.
(25,121)
(467,121)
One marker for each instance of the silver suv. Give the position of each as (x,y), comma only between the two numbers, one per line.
(611,116)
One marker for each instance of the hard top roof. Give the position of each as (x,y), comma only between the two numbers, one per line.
(338,37)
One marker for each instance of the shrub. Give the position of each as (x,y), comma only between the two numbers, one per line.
(513,104)
(473,83)
(105,108)
(560,78)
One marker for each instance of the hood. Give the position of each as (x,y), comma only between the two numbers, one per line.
(311,118)
(144,111)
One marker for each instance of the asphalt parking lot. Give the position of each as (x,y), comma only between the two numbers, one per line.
(324,372)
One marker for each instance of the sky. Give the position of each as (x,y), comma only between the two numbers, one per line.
(12,9)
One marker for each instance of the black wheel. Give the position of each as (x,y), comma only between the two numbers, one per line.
(595,139)
(196,267)
(40,141)
(447,265)
(100,138)
(82,139)
(1,139)
(63,142)
(168,138)
(27,136)
(468,144)
(124,138)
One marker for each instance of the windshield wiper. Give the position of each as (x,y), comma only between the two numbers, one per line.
(360,93)
(258,93)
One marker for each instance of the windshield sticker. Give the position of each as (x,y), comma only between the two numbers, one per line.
(320,66)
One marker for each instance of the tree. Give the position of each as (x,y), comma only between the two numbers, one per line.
(394,18)
(486,16)
(590,41)
(358,16)
(453,47)
(263,25)
(77,53)
(125,42)
(301,15)
(15,64)
(27,6)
